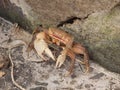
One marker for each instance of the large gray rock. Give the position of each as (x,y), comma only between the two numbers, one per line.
(29,13)
(100,32)
(52,12)
(15,13)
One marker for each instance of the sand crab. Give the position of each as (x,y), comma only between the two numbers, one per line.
(61,38)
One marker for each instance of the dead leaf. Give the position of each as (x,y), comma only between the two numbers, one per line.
(1,65)
(2,73)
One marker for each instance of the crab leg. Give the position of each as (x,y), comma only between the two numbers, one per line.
(72,56)
(79,49)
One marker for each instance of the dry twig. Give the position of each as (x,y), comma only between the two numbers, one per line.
(12,74)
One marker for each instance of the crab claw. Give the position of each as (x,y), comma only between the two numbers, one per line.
(61,58)
(41,47)
(49,53)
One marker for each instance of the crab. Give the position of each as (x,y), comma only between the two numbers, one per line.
(41,40)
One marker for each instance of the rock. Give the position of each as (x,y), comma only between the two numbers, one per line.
(56,82)
(41,83)
(14,13)
(97,76)
(100,33)
(88,85)
(52,12)
(29,13)
(42,76)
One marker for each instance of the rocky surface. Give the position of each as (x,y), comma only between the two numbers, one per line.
(43,76)
(100,33)
(94,23)
(51,13)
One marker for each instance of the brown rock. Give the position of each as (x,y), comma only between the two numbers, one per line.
(50,13)
(100,33)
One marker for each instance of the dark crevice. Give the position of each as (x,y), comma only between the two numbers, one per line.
(71,20)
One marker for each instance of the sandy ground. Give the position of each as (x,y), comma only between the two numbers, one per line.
(44,76)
